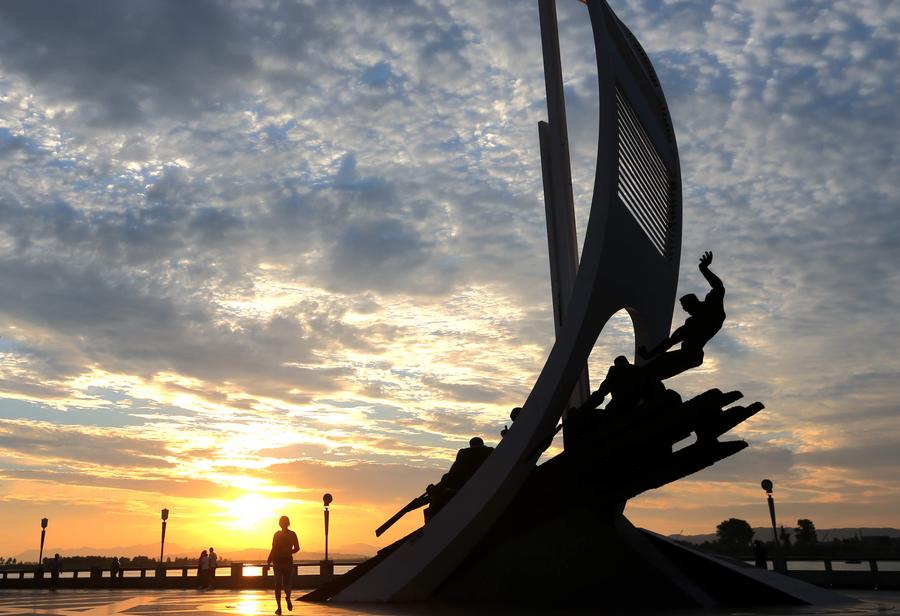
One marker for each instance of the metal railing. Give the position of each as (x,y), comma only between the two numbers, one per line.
(826,571)
(227,575)
(880,572)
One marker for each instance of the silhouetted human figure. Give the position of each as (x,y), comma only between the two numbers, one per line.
(635,395)
(512,415)
(202,569)
(213,559)
(114,570)
(705,320)
(759,555)
(284,545)
(627,385)
(467,462)
(55,565)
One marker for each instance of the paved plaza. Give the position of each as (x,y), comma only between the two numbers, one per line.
(139,603)
(257,602)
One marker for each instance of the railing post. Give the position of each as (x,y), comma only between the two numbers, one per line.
(184,571)
(326,569)
(779,563)
(265,570)
(143,573)
(237,574)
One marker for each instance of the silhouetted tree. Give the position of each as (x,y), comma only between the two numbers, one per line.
(805,533)
(734,534)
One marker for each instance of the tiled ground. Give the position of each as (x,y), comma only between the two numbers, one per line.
(257,602)
(142,603)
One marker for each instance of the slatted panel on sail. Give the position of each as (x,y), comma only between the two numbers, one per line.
(644,183)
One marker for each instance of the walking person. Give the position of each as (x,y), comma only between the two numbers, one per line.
(202,570)
(213,559)
(284,545)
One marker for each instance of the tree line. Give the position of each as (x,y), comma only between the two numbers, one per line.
(735,537)
(85,562)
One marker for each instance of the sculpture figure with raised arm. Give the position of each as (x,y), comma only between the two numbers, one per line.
(704,321)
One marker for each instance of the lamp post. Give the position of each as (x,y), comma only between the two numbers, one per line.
(43,534)
(326,498)
(165,516)
(326,567)
(777,562)
(767,486)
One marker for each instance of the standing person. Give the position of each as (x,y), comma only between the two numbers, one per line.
(202,569)
(54,566)
(759,555)
(284,545)
(114,569)
(213,559)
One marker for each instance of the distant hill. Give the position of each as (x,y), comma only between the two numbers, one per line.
(823,534)
(363,549)
(260,554)
(150,549)
(354,551)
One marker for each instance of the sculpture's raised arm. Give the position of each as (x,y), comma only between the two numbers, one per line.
(714,281)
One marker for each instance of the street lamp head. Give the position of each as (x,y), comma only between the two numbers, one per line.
(327,498)
(165,514)
(767,485)
(44,522)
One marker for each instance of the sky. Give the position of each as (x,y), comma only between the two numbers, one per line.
(251,252)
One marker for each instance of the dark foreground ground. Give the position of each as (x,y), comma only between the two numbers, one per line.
(253,602)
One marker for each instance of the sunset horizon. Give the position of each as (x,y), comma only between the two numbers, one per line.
(254,254)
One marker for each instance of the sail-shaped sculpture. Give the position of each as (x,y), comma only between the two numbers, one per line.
(555,532)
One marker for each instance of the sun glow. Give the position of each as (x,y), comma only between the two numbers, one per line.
(250,511)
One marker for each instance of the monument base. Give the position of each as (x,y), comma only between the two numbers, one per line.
(587,558)
(564,541)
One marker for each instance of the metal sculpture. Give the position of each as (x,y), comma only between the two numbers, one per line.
(513,527)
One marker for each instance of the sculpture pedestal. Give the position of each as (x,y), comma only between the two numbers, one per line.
(586,557)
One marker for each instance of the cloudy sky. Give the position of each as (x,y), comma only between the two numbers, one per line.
(251,252)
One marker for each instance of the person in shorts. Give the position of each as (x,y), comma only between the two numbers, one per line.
(284,545)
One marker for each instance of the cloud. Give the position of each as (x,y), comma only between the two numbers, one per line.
(361,483)
(168,58)
(70,445)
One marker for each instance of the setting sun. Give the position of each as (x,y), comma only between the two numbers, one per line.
(251,511)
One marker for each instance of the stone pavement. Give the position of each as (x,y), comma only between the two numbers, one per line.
(159,602)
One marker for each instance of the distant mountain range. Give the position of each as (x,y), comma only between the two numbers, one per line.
(363,550)
(347,552)
(823,534)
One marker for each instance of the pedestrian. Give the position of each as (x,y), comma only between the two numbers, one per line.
(759,555)
(55,565)
(284,545)
(213,559)
(114,570)
(202,570)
